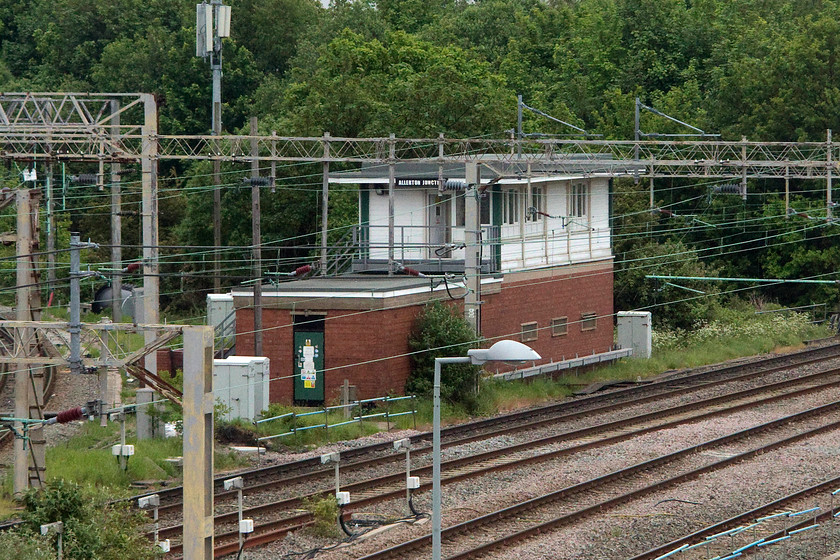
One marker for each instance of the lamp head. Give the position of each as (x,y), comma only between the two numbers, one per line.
(504,351)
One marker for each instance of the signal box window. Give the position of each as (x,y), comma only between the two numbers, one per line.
(578,200)
(588,321)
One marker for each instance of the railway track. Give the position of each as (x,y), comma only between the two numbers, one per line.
(525,520)
(525,420)
(388,487)
(391,487)
(768,523)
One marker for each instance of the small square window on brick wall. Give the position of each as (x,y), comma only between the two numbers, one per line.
(588,321)
(529,332)
(559,326)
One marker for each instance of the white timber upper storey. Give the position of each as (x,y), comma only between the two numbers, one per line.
(527,222)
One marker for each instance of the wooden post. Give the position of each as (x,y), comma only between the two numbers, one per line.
(345,398)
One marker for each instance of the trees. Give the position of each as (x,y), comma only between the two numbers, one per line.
(404,85)
(761,68)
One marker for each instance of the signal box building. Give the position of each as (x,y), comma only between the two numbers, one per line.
(546,266)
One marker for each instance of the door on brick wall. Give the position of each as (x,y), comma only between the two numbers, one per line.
(309,367)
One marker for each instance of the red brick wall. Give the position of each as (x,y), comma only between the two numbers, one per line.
(350,337)
(543,299)
(278,347)
(168,361)
(371,338)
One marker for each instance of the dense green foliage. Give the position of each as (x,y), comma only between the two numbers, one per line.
(440,330)
(761,69)
(93,527)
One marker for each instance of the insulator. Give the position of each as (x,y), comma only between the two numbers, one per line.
(86,178)
(300,271)
(70,415)
(728,189)
(257,181)
(411,272)
(454,185)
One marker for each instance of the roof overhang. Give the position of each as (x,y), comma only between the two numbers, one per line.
(360,292)
(359,179)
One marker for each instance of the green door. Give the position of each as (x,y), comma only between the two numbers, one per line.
(309,367)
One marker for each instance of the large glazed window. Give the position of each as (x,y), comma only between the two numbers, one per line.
(578,200)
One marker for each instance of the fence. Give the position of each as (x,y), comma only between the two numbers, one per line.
(359,418)
(768,531)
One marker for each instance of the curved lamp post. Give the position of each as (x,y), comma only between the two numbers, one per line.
(502,351)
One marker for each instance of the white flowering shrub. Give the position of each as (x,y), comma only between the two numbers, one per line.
(757,326)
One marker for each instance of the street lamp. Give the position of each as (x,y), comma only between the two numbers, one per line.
(502,351)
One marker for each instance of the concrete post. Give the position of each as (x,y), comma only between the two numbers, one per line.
(23,396)
(472,266)
(151,251)
(116,222)
(325,204)
(392,267)
(145,416)
(256,237)
(198,443)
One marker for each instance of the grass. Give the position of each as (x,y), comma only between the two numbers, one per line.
(87,460)
(733,336)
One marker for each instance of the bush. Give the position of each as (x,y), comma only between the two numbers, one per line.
(20,545)
(325,511)
(440,330)
(93,527)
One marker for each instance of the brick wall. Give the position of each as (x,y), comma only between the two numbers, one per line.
(168,360)
(278,345)
(542,299)
(350,337)
(371,338)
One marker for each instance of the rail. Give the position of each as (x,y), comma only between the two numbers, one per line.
(224,335)
(444,245)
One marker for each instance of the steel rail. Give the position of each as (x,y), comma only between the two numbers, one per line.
(368,463)
(271,531)
(567,519)
(282,527)
(617,425)
(704,380)
(742,518)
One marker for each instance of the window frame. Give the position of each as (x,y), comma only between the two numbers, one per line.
(558,322)
(536,202)
(529,332)
(578,200)
(511,203)
(585,319)
(460,213)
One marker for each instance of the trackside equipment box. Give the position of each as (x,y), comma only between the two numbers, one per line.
(241,384)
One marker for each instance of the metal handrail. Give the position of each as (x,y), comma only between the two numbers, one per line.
(358,418)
